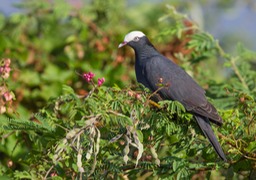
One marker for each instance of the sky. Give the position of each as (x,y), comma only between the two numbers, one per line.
(6,6)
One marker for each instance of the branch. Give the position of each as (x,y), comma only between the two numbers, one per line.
(232,60)
(241,151)
(233,64)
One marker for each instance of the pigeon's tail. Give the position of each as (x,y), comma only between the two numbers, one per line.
(205,126)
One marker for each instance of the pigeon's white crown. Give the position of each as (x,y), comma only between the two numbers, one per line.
(130,36)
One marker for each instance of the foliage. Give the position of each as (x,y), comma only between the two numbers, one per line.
(88,130)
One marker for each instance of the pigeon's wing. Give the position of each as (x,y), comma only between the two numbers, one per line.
(209,111)
(177,85)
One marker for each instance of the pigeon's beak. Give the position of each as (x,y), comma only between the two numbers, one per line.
(122,44)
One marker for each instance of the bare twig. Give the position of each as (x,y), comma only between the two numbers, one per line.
(47,173)
(240,77)
(233,64)
(241,151)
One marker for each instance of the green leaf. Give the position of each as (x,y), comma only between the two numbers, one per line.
(140,135)
(67,89)
(251,147)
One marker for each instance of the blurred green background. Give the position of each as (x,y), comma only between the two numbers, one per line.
(51,42)
(230,21)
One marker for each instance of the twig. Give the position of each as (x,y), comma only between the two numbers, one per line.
(155,92)
(233,64)
(153,103)
(242,152)
(47,173)
(250,122)
(238,73)
(7,135)
(116,113)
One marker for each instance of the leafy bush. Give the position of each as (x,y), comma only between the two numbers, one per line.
(68,126)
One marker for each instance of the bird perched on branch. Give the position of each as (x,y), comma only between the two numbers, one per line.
(152,68)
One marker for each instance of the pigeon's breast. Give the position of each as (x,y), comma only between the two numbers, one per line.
(140,73)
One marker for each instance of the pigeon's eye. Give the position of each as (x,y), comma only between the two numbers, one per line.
(136,38)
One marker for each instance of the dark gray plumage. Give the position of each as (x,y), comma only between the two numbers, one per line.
(153,69)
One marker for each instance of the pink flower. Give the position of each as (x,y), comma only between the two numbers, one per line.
(5,68)
(1,69)
(8,96)
(5,75)
(7,62)
(101,81)
(138,96)
(2,109)
(88,77)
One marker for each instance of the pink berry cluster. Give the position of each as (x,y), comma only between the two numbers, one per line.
(101,81)
(89,77)
(134,94)
(6,97)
